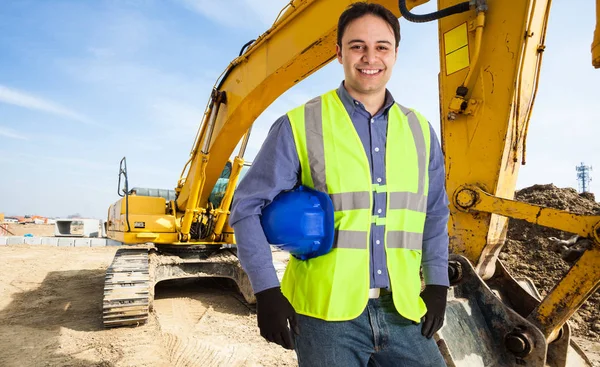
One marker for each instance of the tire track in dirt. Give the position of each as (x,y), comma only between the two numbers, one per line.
(204,323)
(191,352)
(180,320)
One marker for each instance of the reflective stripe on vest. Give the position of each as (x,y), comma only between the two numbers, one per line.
(332,158)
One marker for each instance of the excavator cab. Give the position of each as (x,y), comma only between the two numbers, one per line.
(220,188)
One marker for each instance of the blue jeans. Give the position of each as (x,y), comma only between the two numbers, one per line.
(378,337)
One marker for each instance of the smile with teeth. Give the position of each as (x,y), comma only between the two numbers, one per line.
(369,71)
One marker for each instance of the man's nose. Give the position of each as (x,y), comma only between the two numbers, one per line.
(369,56)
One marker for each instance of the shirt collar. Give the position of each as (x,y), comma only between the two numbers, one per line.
(350,103)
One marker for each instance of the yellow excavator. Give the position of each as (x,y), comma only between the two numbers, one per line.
(490,58)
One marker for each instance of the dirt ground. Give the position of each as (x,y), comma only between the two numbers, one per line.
(37,230)
(536,252)
(50,315)
(51,306)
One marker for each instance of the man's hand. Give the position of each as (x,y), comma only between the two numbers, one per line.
(434,297)
(273,311)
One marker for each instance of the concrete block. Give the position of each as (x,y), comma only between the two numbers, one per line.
(77,227)
(110,242)
(97,242)
(49,241)
(66,242)
(82,242)
(3,240)
(15,240)
(33,240)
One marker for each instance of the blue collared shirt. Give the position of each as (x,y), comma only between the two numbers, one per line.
(277,168)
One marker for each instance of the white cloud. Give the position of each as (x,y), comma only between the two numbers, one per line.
(11,134)
(18,98)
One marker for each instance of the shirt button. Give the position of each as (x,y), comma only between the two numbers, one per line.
(356,102)
(379,272)
(377,149)
(378,179)
(379,211)
(372,120)
(377,242)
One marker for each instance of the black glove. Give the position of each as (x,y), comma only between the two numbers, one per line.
(273,311)
(434,297)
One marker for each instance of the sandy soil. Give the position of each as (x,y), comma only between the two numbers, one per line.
(50,315)
(38,230)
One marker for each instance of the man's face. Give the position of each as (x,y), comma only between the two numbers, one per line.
(368,54)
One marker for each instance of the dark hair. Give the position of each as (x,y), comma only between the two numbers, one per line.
(359,9)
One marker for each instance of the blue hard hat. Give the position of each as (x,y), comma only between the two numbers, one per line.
(300,221)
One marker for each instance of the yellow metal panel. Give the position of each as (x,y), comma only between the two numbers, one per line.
(144,204)
(160,238)
(151,223)
(456,38)
(456,49)
(457,60)
(132,237)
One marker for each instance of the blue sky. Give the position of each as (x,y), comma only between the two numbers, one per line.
(84,83)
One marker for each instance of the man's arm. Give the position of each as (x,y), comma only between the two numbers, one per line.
(276,168)
(435,243)
(435,233)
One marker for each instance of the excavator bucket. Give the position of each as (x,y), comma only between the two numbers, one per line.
(484,325)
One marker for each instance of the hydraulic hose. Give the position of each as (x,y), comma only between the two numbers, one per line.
(423,18)
(246,45)
(230,68)
(479,24)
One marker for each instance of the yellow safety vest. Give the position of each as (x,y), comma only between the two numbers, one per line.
(335,286)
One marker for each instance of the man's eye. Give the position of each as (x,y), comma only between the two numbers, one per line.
(355,47)
(383,48)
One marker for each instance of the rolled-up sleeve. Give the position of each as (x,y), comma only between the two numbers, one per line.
(276,168)
(435,233)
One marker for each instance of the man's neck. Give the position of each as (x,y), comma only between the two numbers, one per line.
(372,102)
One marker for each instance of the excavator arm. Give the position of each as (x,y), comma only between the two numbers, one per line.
(487,97)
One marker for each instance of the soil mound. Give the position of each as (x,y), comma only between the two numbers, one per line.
(545,255)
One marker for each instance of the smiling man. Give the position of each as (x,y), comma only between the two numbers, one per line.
(360,303)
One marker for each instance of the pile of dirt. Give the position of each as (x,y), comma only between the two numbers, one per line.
(545,255)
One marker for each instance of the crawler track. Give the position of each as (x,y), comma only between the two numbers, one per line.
(127,289)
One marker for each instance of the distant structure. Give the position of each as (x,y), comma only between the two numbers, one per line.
(583,177)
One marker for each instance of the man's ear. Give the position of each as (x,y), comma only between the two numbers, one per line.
(338,52)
